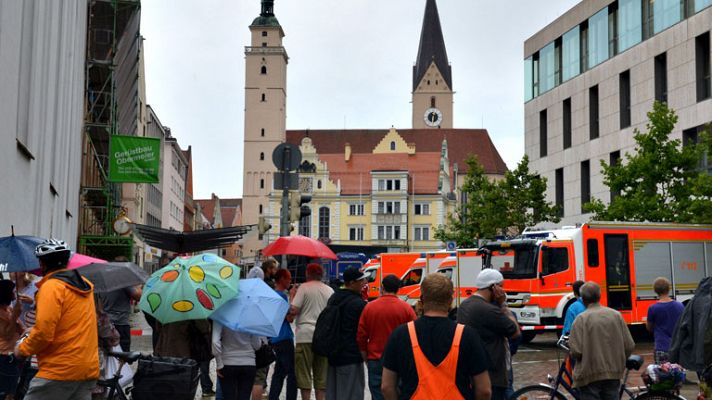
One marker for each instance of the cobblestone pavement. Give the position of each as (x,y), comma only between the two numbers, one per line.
(531,364)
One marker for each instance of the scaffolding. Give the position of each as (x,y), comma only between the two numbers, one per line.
(110,73)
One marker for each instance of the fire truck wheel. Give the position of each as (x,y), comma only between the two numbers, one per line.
(528,336)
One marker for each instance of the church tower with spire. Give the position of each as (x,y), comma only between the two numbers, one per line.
(265,119)
(432,76)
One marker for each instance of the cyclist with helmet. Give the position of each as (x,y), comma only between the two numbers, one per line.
(64,337)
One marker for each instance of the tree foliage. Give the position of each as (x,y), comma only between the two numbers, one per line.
(662,181)
(494,208)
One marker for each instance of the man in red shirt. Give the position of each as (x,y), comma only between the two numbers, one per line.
(378,320)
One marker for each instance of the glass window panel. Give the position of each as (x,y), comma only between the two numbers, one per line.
(702,4)
(630,26)
(598,38)
(571,56)
(529,79)
(666,13)
(547,69)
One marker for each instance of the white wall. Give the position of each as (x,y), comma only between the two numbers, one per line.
(42,53)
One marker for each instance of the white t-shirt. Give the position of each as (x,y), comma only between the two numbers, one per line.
(311,299)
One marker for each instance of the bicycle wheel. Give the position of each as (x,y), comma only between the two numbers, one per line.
(662,395)
(537,392)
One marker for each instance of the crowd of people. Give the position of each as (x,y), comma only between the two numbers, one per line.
(54,331)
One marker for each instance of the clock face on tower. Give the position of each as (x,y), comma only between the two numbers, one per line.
(433,117)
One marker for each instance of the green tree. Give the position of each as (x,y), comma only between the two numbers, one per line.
(497,207)
(662,181)
(525,200)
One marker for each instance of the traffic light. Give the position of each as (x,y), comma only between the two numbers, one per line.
(263,226)
(296,209)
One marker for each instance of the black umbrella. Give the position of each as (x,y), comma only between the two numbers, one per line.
(113,275)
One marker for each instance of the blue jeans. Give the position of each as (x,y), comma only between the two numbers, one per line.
(218,390)
(9,375)
(510,389)
(284,368)
(375,372)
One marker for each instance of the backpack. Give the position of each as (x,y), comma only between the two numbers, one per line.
(325,341)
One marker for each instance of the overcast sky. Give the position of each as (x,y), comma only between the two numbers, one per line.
(350,66)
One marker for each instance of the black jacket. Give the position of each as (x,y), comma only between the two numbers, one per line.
(352,306)
(691,344)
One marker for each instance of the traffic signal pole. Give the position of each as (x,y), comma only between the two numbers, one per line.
(284,213)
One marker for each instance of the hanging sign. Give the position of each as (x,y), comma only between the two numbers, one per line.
(134,159)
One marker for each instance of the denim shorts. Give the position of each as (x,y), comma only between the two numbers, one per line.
(9,374)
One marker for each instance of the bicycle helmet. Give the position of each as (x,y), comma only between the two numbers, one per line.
(51,246)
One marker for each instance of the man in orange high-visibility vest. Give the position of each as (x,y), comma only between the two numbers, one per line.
(434,357)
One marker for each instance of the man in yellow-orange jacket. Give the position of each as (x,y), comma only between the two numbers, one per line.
(64,337)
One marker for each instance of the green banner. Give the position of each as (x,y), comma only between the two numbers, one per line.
(134,159)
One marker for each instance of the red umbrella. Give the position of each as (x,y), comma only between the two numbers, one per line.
(299,246)
(80,260)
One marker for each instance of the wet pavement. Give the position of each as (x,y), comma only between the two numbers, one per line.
(531,364)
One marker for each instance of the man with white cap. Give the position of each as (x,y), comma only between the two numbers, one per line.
(486,311)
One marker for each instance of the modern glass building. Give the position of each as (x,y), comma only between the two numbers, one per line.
(592,75)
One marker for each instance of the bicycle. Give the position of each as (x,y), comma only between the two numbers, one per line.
(116,392)
(552,391)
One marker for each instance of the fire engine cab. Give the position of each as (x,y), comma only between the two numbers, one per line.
(624,258)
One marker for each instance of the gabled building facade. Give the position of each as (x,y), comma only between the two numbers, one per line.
(371,189)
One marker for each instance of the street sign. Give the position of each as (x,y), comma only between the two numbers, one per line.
(292,181)
(286,157)
(451,246)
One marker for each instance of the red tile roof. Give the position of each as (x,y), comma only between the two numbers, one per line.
(229,209)
(355,175)
(461,143)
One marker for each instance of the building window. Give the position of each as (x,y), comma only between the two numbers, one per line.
(571,54)
(585,183)
(264,97)
(260,209)
(356,233)
(262,183)
(396,232)
(381,185)
(547,69)
(557,62)
(702,4)
(264,33)
(560,191)
(583,47)
(422,209)
(356,209)
(264,44)
(381,233)
(593,112)
(630,23)
(692,136)
(702,66)
(624,98)
(432,101)
(318,184)
(262,132)
(614,159)
(598,38)
(263,70)
(542,134)
(262,156)
(381,207)
(612,29)
(396,184)
(528,79)
(393,146)
(323,222)
(421,233)
(661,78)
(389,185)
(667,13)
(305,225)
(567,123)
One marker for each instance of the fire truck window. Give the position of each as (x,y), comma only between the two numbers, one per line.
(447,272)
(413,277)
(592,249)
(555,259)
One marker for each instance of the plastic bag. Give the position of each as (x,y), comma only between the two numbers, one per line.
(111,364)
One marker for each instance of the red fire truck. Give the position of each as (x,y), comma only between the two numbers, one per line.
(623,258)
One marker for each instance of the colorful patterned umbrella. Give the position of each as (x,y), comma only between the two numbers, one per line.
(189,288)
